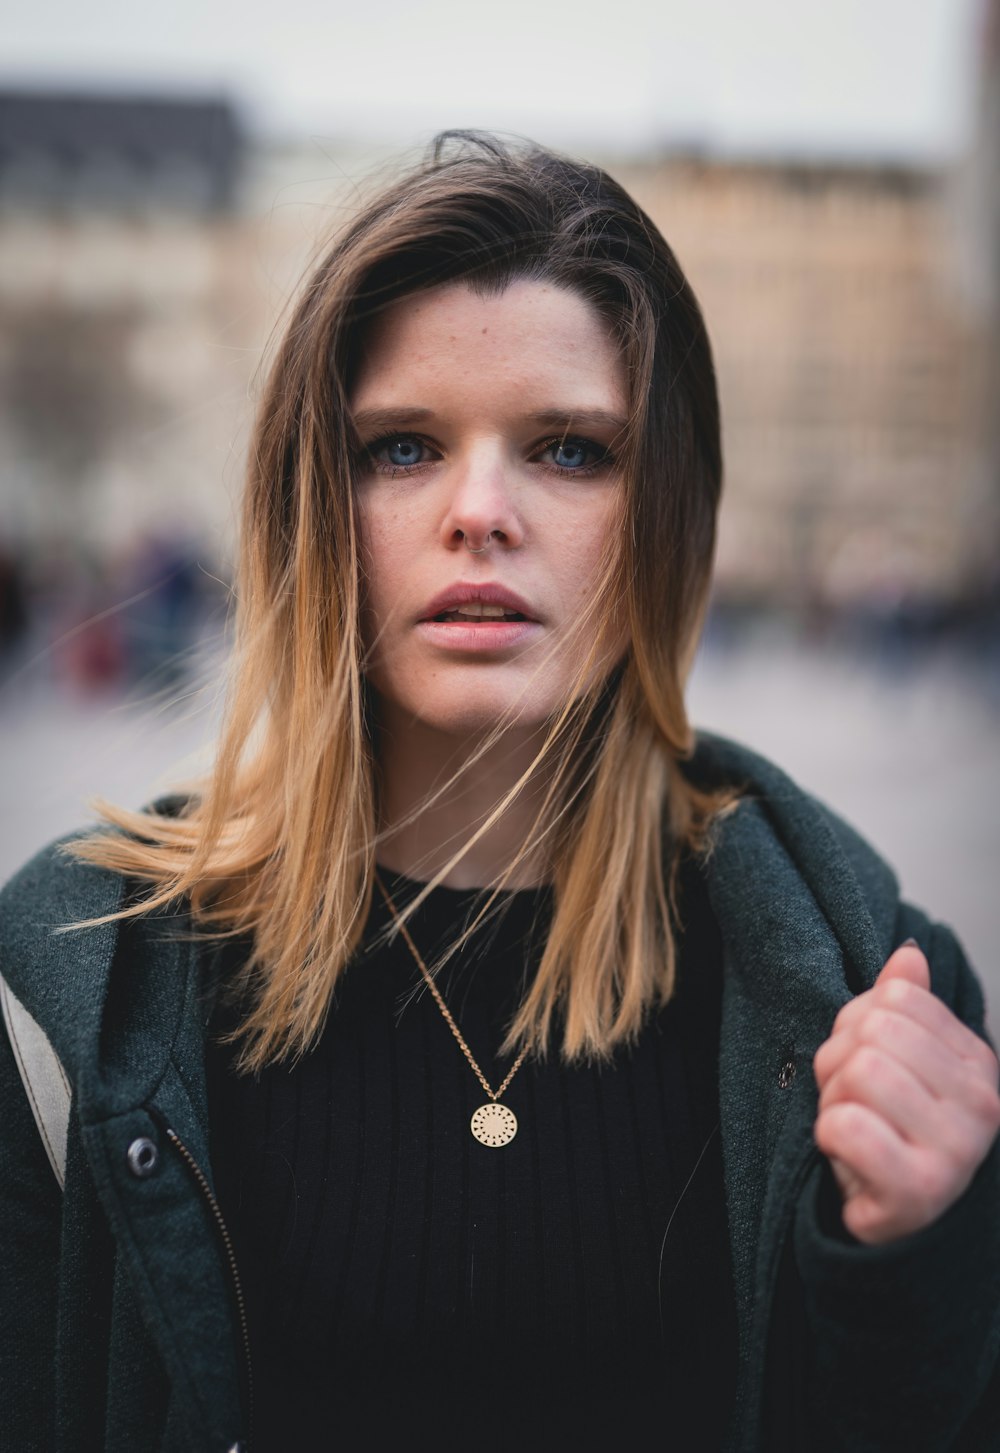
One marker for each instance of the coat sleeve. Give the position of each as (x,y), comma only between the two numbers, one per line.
(904,1339)
(30,1221)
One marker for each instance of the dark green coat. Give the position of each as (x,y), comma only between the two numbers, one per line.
(120,1327)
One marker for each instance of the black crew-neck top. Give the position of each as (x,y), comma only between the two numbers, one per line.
(404,1281)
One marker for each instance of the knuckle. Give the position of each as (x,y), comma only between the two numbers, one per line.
(822,1057)
(931,1179)
(988,1060)
(979,1097)
(984,1102)
(867,1220)
(821,1131)
(833,1127)
(845,1122)
(964,1149)
(899,993)
(863,1068)
(844,1017)
(876,1026)
(860,1219)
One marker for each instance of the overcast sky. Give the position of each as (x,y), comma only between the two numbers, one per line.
(883,78)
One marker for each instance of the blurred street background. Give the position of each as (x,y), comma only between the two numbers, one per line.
(829,177)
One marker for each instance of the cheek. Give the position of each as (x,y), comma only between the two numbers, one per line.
(376,556)
(579,549)
(591,550)
(389,524)
(381,537)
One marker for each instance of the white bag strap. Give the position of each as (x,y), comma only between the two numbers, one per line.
(45,1081)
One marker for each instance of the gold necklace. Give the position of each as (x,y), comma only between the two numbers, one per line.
(493,1124)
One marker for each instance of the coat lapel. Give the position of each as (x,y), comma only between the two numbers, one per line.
(804,926)
(151,1087)
(121,1005)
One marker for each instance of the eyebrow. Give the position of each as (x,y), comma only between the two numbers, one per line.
(376,419)
(579,419)
(373,420)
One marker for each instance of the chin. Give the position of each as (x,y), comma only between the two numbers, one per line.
(477,718)
(468,709)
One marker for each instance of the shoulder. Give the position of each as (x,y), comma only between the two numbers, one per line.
(49,969)
(55,889)
(783,835)
(811,833)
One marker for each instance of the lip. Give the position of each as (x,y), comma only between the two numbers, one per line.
(477,634)
(492,638)
(490,592)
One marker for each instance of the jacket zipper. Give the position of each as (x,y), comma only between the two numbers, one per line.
(201,1180)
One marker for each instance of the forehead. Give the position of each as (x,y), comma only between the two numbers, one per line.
(534,339)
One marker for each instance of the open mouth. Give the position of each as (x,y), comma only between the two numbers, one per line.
(479,612)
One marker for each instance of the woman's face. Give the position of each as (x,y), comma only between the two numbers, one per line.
(487,496)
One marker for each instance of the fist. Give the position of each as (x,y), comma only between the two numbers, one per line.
(908,1105)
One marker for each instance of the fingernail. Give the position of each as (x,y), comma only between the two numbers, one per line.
(909,943)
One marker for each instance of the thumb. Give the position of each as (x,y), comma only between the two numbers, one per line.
(907,962)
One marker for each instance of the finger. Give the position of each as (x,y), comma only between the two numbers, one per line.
(869,1151)
(942,1071)
(876,1080)
(890,1187)
(908,963)
(903,997)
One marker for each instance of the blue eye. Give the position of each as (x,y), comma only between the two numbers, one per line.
(576,456)
(570,454)
(400,452)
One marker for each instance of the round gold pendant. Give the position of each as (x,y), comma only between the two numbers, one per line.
(494,1124)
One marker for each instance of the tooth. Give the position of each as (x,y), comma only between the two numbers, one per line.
(478,608)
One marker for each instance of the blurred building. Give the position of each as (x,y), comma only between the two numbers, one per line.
(852,382)
(976,209)
(146,251)
(125,153)
(117,301)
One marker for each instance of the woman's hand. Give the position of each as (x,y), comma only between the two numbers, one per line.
(908,1103)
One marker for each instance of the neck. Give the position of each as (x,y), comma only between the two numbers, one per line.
(436,790)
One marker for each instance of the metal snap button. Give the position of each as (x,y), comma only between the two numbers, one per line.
(786,1074)
(142,1157)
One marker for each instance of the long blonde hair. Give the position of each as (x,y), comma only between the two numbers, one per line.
(278,842)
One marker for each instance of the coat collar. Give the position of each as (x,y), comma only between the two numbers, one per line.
(853,887)
(802,901)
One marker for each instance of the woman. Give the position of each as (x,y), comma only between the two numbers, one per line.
(476,1054)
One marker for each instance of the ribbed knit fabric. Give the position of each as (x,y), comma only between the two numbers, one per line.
(406,1282)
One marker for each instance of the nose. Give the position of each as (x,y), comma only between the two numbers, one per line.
(482,508)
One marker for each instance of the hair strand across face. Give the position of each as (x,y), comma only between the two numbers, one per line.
(279,840)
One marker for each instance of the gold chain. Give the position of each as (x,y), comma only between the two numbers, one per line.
(493,1094)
